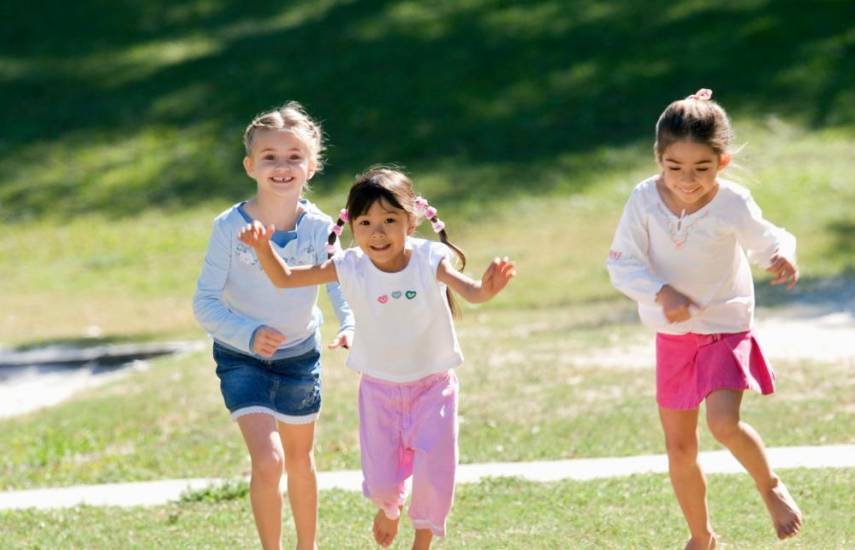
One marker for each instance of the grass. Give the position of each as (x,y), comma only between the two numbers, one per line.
(526,124)
(518,403)
(637,512)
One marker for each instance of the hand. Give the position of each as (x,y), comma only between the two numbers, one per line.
(267,340)
(498,274)
(256,235)
(675,305)
(784,271)
(343,340)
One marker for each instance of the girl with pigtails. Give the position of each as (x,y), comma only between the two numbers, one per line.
(405,346)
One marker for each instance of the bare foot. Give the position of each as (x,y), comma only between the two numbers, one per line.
(701,543)
(785,513)
(385,529)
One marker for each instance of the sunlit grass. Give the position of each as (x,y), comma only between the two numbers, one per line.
(636,513)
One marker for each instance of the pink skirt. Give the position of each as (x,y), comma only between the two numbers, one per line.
(691,366)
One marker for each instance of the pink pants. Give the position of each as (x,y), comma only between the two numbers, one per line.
(405,430)
(691,366)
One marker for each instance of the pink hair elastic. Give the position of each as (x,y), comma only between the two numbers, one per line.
(438,226)
(330,249)
(342,215)
(337,229)
(423,208)
(421,204)
(704,94)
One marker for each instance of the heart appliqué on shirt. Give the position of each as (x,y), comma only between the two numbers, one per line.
(396,294)
(410,294)
(383,299)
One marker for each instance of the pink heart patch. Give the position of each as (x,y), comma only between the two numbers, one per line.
(383,299)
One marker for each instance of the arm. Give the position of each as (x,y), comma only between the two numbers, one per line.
(496,277)
(281,274)
(208,307)
(629,269)
(344,338)
(767,245)
(627,264)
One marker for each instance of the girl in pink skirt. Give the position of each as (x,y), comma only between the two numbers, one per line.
(404,343)
(681,251)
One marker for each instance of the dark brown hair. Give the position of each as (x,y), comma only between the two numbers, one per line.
(696,118)
(392,186)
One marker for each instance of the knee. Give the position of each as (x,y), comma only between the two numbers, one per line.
(267,466)
(682,450)
(723,428)
(300,463)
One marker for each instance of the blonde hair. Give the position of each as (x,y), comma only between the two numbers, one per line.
(696,118)
(290,117)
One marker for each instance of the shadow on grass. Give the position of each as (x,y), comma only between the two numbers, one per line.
(92,342)
(143,105)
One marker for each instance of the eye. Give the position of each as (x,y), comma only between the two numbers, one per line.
(269,157)
(673,169)
(363,222)
(702,169)
(296,157)
(391,220)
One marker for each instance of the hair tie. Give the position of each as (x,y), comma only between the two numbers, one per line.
(704,94)
(342,215)
(330,248)
(337,229)
(421,205)
(438,225)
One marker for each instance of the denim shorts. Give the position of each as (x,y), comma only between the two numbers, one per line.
(288,389)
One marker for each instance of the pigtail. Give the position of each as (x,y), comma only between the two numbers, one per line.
(429,212)
(335,232)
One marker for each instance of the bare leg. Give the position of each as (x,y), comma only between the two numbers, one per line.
(265,451)
(690,487)
(298,440)
(422,539)
(745,444)
(385,529)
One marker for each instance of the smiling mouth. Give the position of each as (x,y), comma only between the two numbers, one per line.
(276,179)
(380,248)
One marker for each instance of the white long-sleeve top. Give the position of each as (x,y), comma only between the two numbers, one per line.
(703,255)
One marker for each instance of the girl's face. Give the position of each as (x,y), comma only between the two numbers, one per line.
(381,233)
(689,172)
(280,163)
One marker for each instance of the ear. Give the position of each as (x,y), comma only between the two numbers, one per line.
(248,166)
(313,168)
(411,225)
(723,161)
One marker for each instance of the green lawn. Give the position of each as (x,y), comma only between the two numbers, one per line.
(518,402)
(527,124)
(637,512)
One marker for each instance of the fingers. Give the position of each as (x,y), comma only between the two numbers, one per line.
(267,341)
(255,233)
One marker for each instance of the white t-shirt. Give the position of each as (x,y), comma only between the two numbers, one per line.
(702,255)
(404,329)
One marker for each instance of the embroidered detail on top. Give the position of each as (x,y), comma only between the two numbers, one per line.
(680,229)
(409,294)
(245,254)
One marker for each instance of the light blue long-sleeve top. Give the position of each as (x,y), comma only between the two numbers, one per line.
(234,298)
